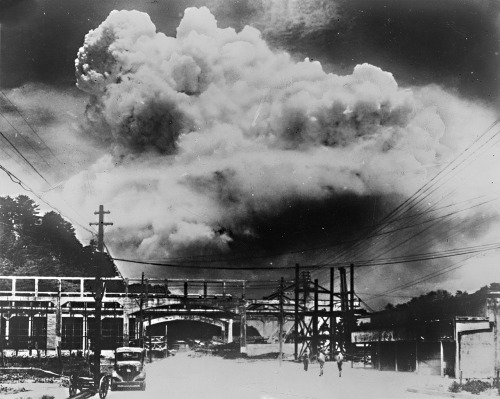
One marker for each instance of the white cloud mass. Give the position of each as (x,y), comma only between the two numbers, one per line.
(210,128)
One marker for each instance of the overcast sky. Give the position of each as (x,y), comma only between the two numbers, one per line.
(227,145)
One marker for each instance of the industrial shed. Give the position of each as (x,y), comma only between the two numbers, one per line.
(436,342)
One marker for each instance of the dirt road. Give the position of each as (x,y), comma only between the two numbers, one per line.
(187,377)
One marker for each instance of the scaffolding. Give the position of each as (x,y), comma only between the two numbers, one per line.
(323,318)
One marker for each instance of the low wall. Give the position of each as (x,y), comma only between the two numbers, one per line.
(260,349)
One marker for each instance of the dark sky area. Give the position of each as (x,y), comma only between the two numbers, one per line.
(451,43)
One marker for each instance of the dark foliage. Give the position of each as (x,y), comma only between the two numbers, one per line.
(435,304)
(476,386)
(43,245)
(473,386)
(455,387)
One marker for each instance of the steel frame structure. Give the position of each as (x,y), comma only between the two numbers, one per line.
(323,319)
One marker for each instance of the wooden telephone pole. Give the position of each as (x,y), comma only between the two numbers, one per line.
(100,288)
(281,319)
(101,224)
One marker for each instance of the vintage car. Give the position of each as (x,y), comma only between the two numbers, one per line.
(128,370)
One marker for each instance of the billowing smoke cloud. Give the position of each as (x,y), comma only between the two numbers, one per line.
(215,139)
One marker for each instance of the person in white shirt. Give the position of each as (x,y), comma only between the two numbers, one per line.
(321,361)
(305,360)
(339,358)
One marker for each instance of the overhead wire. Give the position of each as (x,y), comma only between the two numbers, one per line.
(23,157)
(436,221)
(412,258)
(420,232)
(6,153)
(25,187)
(461,162)
(24,139)
(201,258)
(364,263)
(424,188)
(381,238)
(427,277)
(29,125)
(469,160)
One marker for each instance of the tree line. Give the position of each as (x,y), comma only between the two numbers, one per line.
(440,303)
(36,244)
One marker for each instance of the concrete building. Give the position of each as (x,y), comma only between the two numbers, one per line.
(456,337)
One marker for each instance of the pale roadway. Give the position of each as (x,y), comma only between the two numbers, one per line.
(186,376)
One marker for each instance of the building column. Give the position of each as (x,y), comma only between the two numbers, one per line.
(396,355)
(52,328)
(230,332)
(457,349)
(416,357)
(59,317)
(126,329)
(379,348)
(243,330)
(30,326)
(441,358)
(85,333)
(7,327)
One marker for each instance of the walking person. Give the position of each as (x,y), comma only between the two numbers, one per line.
(321,360)
(339,359)
(305,360)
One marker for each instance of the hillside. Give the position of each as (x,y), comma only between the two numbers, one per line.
(38,244)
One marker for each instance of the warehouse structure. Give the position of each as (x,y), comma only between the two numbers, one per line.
(457,337)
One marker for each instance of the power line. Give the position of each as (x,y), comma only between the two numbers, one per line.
(430,255)
(364,263)
(200,259)
(406,205)
(429,276)
(29,125)
(184,266)
(23,157)
(25,187)
(24,138)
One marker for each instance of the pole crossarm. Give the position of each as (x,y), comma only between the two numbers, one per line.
(100,235)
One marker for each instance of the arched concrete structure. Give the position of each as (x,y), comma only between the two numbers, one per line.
(208,320)
(221,323)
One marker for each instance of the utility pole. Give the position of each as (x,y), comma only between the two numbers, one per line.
(315,333)
(101,224)
(98,294)
(149,325)
(141,315)
(100,288)
(332,315)
(296,313)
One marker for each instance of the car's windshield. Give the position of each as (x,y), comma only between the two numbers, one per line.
(124,356)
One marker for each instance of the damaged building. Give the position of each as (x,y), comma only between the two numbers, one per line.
(456,336)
